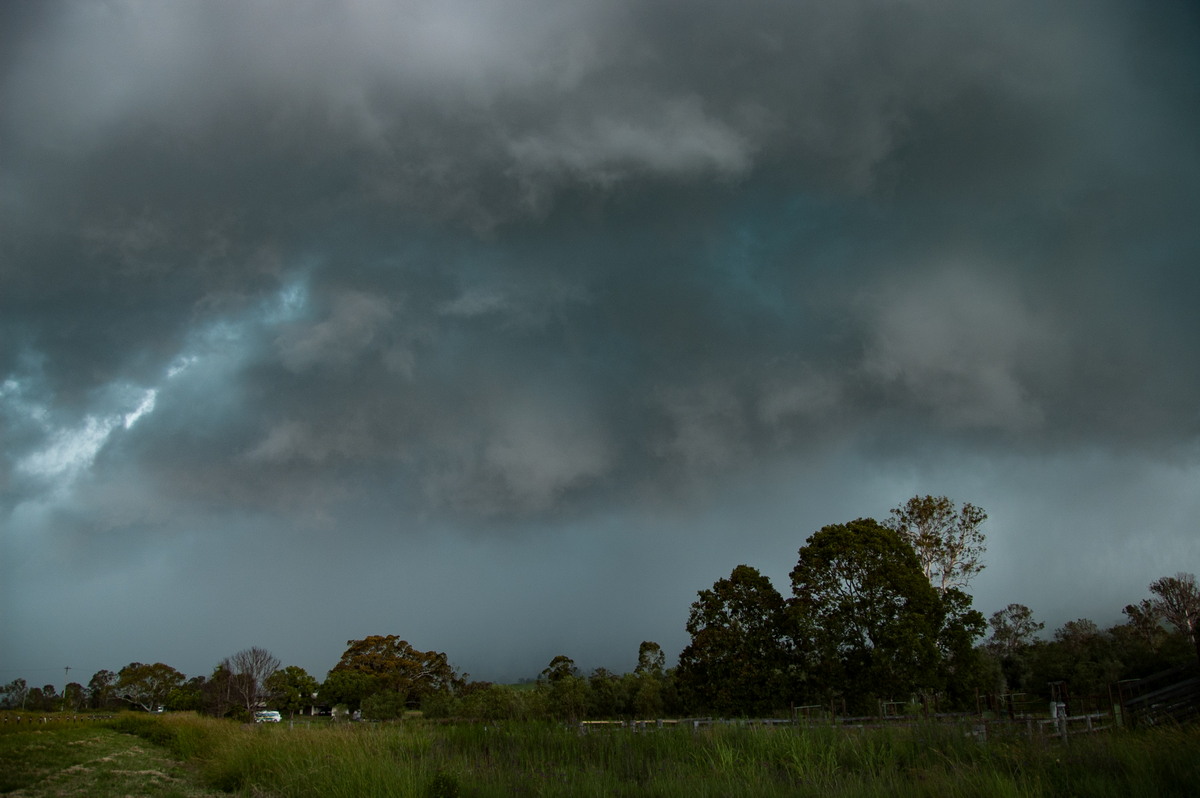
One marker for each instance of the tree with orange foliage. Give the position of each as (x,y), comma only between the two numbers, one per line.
(386,663)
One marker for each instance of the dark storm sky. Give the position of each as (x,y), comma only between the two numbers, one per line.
(506,326)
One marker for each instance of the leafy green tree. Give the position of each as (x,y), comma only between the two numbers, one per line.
(964,670)
(36,700)
(101,689)
(486,701)
(74,697)
(651,660)
(948,540)
(16,693)
(565,692)
(567,699)
(1145,620)
(389,663)
(349,688)
(1013,632)
(291,689)
(561,667)
(189,696)
(1140,657)
(1177,599)
(650,684)
(740,658)
(441,705)
(219,695)
(1081,657)
(1092,666)
(609,694)
(147,686)
(386,705)
(869,614)
(648,698)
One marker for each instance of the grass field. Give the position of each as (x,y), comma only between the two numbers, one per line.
(185,755)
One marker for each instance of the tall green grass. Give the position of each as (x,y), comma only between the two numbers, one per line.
(416,758)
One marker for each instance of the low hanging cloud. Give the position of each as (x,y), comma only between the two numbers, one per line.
(965,347)
(532,455)
(679,139)
(354,323)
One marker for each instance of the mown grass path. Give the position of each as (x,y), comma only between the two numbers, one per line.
(90,761)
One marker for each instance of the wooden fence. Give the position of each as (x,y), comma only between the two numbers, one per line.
(1169,697)
(1062,727)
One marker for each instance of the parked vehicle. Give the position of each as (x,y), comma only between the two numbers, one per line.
(267,716)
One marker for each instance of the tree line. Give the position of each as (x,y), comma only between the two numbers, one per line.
(878,612)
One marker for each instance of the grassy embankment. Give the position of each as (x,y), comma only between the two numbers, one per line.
(417,758)
(68,757)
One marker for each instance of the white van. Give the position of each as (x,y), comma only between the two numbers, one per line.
(267,716)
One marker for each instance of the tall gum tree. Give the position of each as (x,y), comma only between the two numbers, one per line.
(147,686)
(1013,630)
(1177,598)
(948,540)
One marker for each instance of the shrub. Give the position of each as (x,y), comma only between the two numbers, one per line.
(388,705)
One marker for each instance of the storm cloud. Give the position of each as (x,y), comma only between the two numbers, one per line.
(507,326)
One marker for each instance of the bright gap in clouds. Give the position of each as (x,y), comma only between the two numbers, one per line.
(147,406)
(69,450)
